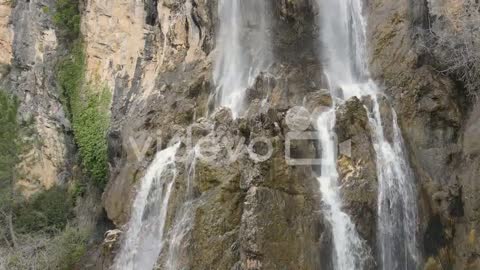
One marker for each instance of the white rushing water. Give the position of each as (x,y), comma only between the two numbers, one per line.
(242,50)
(349,250)
(344,36)
(177,257)
(144,239)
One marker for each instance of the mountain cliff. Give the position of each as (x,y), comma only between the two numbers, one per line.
(103,88)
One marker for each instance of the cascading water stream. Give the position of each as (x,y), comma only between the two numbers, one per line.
(177,257)
(242,50)
(144,239)
(349,249)
(344,37)
(397,209)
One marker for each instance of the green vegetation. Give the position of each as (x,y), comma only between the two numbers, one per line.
(70,77)
(8,160)
(91,121)
(40,232)
(39,251)
(68,248)
(34,233)
(77,190)
(87,105)
(8,137)
(45,9)
(48,211)
(67,18)
(12,3)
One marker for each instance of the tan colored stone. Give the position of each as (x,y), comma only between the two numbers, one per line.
(40,166)
(6,33)
(114,35)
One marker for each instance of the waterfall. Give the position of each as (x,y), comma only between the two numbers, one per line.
(242,50)
(344,36)
(144,239)
(397,209)
(349,250)
(177,257)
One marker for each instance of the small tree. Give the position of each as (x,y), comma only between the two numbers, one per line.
(8,161)
(454,40)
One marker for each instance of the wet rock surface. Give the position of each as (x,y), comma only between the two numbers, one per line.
(437,122)
(356,166)
(249,213)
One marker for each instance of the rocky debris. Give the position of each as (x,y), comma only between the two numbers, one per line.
(223,116)
(102,256)
(111,239)
(261,88)
(315,101)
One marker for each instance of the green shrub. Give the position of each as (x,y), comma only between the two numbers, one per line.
(88,107)
(8,135)
(68,248)
(45,9)
(47,211)
(40,251)
(70,77)
(67,18)
(8,152)
(91,123)
(78,190)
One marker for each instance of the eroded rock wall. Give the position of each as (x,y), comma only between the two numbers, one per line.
(169,91)
(437,121)
(156,59)
(252,215)
(34,53)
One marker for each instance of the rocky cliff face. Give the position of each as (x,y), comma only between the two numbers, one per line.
(29,51)
(249,215)
(437,119)
(156,59)
(6,36)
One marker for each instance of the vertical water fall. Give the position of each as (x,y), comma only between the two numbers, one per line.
(144,239)
(349,249)
(344,36)
(242,50)
(177,257)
